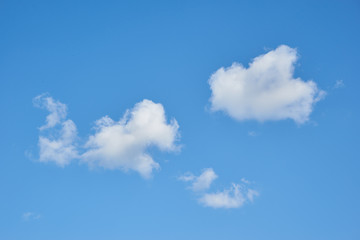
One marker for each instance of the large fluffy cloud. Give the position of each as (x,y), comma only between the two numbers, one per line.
(119,144)
(58,135)
(234,197)
(123,144)
(266,90)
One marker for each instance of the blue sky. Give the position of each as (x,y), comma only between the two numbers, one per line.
(265,148)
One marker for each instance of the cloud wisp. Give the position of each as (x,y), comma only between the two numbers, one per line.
(266,90)
(234,197)
(119,144)
(58,135)
(57,110)
(339,84)
(201,182)
(27,216)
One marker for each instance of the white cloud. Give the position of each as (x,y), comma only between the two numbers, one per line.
(201,182)
(27,216)
(266,90)
(123,144)
(115,145)
(58,134)
(229,198)
(58,110)
(60,150)
(234,197)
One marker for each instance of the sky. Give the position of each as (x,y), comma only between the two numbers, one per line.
(179,120)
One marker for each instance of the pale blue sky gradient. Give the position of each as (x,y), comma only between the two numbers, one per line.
(102,57)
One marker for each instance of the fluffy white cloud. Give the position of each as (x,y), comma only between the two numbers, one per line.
(201,182)
(266,90)
(123,144)
(234,197)
(115,145)
(60,150)
(58,144)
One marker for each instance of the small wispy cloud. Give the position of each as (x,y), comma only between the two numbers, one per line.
(187,177)
(234,197)
(28,216)
(339,84)
(251,194)
(253,134)
(57,110)
(58,135)
(201,182)
(245,181)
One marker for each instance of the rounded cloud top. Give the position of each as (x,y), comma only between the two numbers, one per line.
(119,144)
(266,90)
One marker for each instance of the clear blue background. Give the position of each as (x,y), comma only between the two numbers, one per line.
(101,57)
